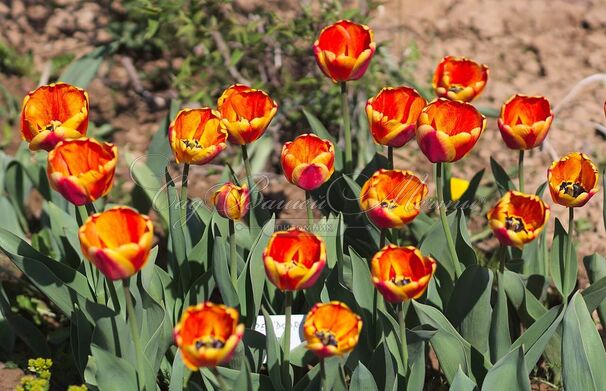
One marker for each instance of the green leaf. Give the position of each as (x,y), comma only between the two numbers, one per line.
(176,235)
(362,380)
(84,69)
(254,274)
(113,373)
(177,376)
(151,184)
(221,274)
(244,380)
(318,128)
(452,350)
(274,353)
(596,293)
(383,367)
(462,383)
(80,339)
(502,179)
(469,307)
(500,338)
(583,355)
(563,268)
(470,193)
(538,335)
(509,373)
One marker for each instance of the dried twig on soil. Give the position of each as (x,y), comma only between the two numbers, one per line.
(574,91)
(156,102)
(225,53)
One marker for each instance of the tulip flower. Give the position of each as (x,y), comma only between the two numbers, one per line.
(524,122)
(207,335)
(82,170)
(392,198)
(573,180)
(448,130)
(293,260)
(518,218)
(308,161)
(196,136)
(245,113)
(393,114)
(401,273)
(459,79)
(331,329)
(343,50)
(53,113)
(232,202)
(458,187)
(117,241)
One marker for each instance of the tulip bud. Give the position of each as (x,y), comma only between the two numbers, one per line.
(308,161)
(524,121)
(232,201)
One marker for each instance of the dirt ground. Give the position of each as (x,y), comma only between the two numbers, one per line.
(535,47)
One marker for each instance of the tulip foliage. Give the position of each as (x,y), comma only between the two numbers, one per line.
(394,292)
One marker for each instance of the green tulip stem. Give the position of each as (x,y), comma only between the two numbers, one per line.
(569,247)
(247,168)
(90,209)
(502,255)
(390,157)
(323,375)
(521,171)
(134,330)
(286,336)
(310,214)
(184,194)
(233,256)
(220,379)
(442,209)
(401,320)
(346,128)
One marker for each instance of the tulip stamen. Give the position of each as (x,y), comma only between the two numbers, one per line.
(390,204)
(400,280)
(572,189)
(192,144)
(327,338)
(456,88)
(209,342)
(52,125)
(515,224)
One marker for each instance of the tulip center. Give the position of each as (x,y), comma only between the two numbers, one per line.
(572,189)
(209,342)
(456,88)
(52,125)
(515,224)
(327,338)
(389,204)
(191,144)
(400,280)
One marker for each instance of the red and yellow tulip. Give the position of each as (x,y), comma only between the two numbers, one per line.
(573,180)
(294,259)
(53,113)
(459,79)
(518,218)
(393,114)
(401,273)
(331,329)
(232,201)
(245,113)
(82,170)
(392,198)
(344,49)
(524,121)
(196,136)
(448,130)
(208,335)
(117,241)
(308,161)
